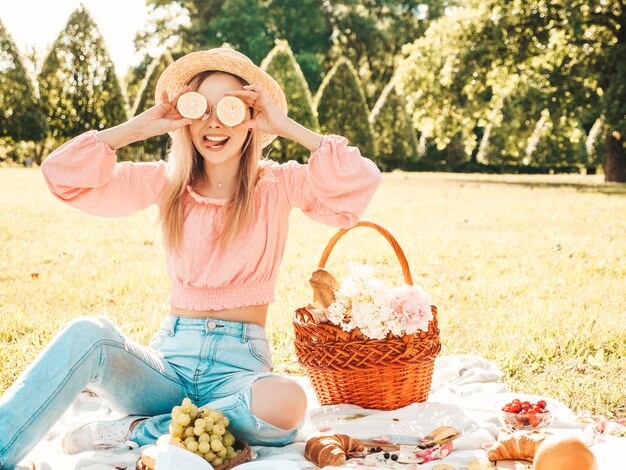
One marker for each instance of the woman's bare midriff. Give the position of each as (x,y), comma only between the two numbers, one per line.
(250,314)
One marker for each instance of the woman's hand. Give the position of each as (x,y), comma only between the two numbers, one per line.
(271,120)
(162,117)
(267,117)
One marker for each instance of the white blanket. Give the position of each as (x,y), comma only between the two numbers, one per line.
(464,394)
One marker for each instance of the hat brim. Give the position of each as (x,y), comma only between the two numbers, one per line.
(179,73)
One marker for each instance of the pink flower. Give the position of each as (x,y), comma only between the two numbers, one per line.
(412,306)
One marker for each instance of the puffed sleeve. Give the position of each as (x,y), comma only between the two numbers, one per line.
(334,187)
(84,173)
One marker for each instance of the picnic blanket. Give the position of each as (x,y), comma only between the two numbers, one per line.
(464,392)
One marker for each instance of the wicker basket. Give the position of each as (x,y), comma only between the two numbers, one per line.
(347,367)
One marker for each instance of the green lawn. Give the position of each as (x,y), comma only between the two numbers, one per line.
(528,271)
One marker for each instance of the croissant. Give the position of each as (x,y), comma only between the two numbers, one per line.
(324,287)
(518,445)
(331,449)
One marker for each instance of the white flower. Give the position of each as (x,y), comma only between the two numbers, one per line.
(364,302)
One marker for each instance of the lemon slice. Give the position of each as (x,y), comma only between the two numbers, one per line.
(231,111)
(192,105)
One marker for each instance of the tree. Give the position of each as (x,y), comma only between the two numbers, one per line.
(394,131)
(78,85)
(578,47)
(282,66)
(155,147)
(371,33)
(251,27)
(21,115)
(342,108)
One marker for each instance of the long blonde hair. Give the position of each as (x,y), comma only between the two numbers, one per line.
(185,167)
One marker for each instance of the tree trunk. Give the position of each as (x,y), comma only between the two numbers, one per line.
(614,160)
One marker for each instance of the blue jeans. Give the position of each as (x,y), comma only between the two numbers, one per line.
(213,362)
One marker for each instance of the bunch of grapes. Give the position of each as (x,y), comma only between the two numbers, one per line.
(203,432)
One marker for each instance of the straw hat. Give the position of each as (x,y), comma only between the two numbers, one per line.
(222,59)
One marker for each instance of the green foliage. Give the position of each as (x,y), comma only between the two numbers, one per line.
(393,129)
(251,27)
(155,147)
(78,85)
(21,115)
(282,66)
(342,109)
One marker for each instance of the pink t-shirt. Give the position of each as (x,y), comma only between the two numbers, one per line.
(334,188)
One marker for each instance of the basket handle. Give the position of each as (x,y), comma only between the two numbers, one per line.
(384,232)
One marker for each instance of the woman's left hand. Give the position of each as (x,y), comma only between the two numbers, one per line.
(267,117)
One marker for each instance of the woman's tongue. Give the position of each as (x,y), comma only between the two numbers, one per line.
(215,142)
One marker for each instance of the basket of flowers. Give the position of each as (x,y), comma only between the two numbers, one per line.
(362,343)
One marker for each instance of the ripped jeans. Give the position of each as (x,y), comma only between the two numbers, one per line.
(213,362)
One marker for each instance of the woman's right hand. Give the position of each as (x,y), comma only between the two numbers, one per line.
(162,117)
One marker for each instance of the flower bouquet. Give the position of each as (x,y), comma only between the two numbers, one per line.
(364,344)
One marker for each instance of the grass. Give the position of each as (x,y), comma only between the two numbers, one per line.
(527,271)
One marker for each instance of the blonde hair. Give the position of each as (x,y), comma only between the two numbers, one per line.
(185,167)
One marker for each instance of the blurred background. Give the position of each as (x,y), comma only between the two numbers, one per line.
(495,86)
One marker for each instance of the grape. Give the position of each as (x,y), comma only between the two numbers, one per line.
(183,420)
(176,430)
(228,439)
(204,432)
(176,412)
(218,429)
(216,445)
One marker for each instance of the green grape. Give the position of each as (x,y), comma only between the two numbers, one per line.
(209,456)
(204,447)
(215,437)
(222,452)
(186,405)
(198,423)
(194,410)
(218,429)
(204,437)
(217,462)
(199,453)
(216,445)
(225,421)
(198,431)
(176,412)
(192,445)
(215,415)
(228,439)
(188,432)
(176,430)
(183,420)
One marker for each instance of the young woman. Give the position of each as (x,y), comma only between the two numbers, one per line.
(224,212)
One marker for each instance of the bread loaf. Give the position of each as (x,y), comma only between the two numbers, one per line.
(324,287)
